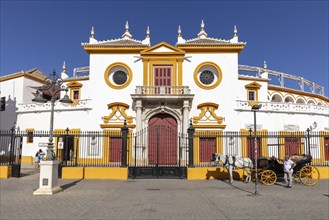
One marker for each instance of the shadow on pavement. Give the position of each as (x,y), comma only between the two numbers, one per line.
(68,185)
(237,187)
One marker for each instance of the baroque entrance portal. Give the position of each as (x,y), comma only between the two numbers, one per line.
(162,140)
(159,150)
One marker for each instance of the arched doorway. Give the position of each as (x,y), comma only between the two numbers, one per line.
(162,140)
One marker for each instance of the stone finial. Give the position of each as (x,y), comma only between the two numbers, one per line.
(64,67)
(64,74)
(202,25)
(127,26)
(147,40)
(148,31)
(126,34)
(92,32)
(202,33)
(235,31)
(179,31)
(265,65)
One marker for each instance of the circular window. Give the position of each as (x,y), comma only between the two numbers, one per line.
(207,75)
(118,75)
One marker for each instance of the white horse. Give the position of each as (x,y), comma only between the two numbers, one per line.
(232,163)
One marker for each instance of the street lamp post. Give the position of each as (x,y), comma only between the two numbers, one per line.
(255,108)
(49,167)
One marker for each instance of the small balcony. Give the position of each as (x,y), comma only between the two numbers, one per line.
(162,90)
(162,93)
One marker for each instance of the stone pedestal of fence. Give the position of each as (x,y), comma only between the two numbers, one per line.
(48,183)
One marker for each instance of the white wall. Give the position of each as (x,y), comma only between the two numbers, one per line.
(224,94)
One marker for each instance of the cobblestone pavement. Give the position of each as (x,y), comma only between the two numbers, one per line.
(161,199)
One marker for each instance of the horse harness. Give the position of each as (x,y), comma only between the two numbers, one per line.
(227,161)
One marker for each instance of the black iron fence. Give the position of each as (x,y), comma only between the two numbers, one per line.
(162,148)
(11,150)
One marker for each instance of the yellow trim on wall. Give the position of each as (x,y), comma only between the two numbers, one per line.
(208,133)
(115,120)
(107,72)
(208,107)
(118,173)
(74,86)
(163,63)
(145,72)
(27,137)
(152,58)
(90,49)
(175,51)
(5,172)
(253,86)
(207,87)
(293,134)
(180,72)
(297,92)
(76,140)
(211,49)
(323,134)
(263,134)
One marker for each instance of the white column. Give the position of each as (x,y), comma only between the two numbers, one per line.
(138,115)
(186,107)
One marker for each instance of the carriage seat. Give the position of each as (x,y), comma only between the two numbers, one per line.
(302,158)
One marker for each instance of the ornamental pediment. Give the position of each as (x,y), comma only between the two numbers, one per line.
(253,85)
(163,48)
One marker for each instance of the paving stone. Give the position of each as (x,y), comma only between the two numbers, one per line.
(161,199)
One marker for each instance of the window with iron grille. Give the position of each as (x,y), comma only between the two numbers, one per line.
(251,96)
(29,137)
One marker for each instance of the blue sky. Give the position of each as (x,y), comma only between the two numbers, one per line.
(292,36)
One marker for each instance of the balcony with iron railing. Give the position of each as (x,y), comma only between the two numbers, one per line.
(162,92)
(285,107)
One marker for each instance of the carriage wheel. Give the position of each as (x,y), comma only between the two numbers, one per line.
(309,175)
(268,177)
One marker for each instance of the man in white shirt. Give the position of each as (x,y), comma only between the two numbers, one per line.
(288,166)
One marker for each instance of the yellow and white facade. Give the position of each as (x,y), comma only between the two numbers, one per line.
(196,80)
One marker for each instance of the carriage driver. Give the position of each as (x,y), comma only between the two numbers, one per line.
(288,166)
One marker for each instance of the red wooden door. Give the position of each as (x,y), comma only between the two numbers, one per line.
(162,77)
(162,139)
(207,148)
(292,145)
(251,147)
(326,148)
(115,149)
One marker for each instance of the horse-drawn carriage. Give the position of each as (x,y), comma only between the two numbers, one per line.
(270,169)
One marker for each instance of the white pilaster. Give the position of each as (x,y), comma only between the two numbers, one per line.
(138,115)
(186,107)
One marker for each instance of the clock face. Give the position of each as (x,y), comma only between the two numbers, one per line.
(120,77)
(207,77)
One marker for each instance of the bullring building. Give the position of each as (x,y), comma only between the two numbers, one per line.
(159,92)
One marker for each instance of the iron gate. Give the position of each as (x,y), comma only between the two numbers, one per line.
(11,150)
(158,152)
